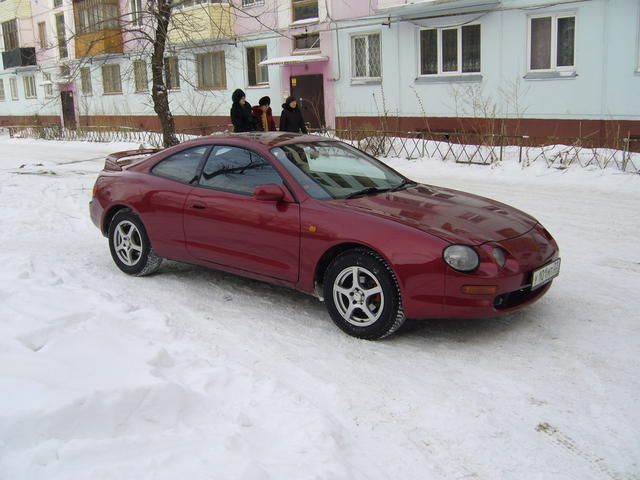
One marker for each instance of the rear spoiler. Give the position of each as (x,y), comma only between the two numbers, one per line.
(116,161)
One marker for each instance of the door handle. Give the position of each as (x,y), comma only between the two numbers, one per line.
(198,205)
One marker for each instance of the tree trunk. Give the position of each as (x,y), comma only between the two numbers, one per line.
(159,92)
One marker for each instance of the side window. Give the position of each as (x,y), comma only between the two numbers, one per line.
(181,166)
(237,170)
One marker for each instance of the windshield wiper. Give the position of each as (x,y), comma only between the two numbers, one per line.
(367,191)
(403,184)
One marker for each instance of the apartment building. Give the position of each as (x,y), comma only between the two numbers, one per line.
(550,67)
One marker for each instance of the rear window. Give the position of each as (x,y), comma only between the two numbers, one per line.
(182,166)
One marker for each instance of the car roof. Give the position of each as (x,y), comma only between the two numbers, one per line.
(270,139)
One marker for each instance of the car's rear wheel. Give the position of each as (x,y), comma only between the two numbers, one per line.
(362,295)
(129,244)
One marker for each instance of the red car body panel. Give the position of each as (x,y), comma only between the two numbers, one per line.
(284,242)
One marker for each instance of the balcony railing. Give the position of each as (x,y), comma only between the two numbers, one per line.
(19,57)
(99,43)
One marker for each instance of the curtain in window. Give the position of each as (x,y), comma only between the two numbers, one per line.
(540,43)
(565,47)
(374,55)
(471,48)
(450,50)
(428,52)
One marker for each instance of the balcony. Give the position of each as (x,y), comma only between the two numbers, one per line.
(200,21)
(101,42)
(19,57)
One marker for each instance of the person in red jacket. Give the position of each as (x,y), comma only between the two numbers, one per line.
(264,116)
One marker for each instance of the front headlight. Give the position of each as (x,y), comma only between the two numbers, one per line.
(461,257)
(499,256)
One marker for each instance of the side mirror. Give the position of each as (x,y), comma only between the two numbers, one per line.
(269,193)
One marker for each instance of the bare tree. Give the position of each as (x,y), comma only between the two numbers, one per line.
(147,32)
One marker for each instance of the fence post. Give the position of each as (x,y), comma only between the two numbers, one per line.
(626,154)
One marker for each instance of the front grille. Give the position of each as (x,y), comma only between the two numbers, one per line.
(513,299)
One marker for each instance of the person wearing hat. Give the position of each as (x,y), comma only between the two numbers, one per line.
(264,116)
(291,117)
(241,113)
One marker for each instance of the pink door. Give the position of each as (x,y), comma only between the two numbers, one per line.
(226,225)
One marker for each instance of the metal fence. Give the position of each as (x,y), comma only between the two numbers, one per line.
(622,154)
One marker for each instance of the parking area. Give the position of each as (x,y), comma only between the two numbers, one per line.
(193,373)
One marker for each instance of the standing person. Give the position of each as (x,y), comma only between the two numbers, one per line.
(264,116)
(241,113)
(291,118)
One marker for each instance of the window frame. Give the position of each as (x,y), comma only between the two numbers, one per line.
(13,87)
(366,35)
(137,14)
(63,50)
(200,74)
(303,3)
(197,184)
(252,3)
(555,16)
(86,81)
(111,66)
(196,179)
(314,48)
(3,95)
(439,52)
(137,82)
(48,87)
(258,82)
(42,34)
(10,36)
(170,60)
(30,89)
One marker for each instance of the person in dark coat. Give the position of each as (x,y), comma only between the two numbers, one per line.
(241,113)
(291,118)
(263,116)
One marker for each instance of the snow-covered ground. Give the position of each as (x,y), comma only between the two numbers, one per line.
(195,374)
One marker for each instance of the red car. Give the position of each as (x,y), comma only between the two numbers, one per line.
(322,217)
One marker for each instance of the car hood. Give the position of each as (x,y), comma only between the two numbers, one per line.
(451,215)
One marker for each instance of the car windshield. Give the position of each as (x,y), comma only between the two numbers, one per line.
(336,170)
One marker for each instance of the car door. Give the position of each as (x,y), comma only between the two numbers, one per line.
(164,196)
(225,224)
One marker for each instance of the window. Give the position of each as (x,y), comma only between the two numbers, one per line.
(60,35)
(258,74)
(171,73)
(10,35)
(237,170)
(13,86)
(57,3)
(2,97)
(450,50)
(136,12)
(303,9)
(182,166)
(306,41)
(42,34)
(252,3)
(552,42)
(211,70)
(48,85)
(29,82)
(334,170)
(140,75)
(96,15)
(111,81)
(365,55)
(85,81)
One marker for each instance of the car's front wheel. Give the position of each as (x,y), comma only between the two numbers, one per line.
(129,244)
(362,295)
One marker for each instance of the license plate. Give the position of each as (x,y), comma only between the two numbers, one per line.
(545,274)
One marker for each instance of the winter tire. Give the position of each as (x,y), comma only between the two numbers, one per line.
(362,295)
(130,247)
